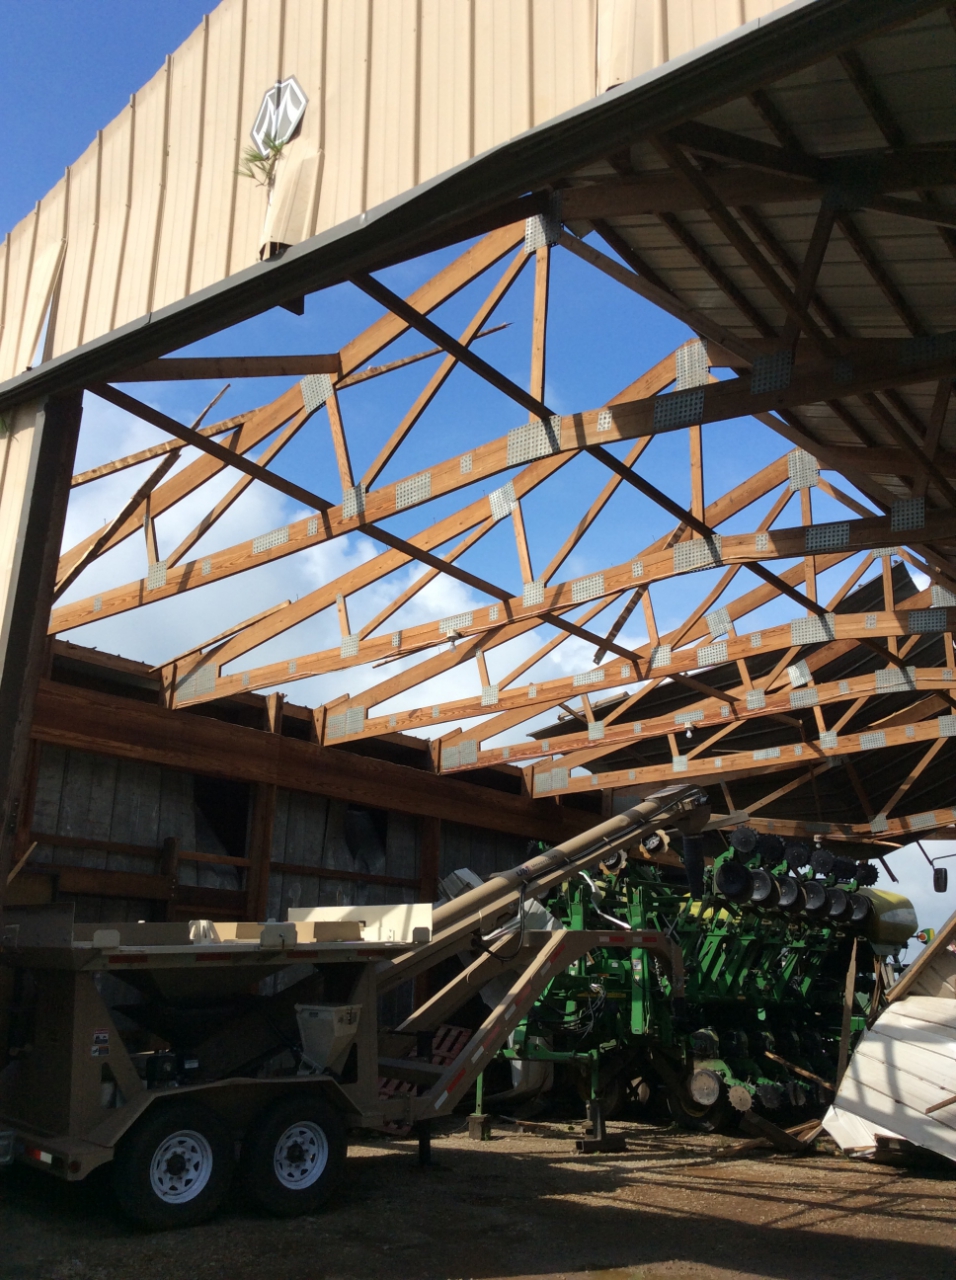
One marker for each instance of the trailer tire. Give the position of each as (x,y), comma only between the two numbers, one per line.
(293,1155)
(174,1167)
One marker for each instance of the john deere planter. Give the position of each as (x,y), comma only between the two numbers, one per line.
(787,950)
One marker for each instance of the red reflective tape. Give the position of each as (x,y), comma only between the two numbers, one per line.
(455,1080)
(557,951)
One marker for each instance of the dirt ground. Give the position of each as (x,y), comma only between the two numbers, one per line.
(518,1206)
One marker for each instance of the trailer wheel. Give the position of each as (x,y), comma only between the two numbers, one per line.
(174,1167)
(293,1155)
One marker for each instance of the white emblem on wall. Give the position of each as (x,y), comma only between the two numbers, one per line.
(283,106)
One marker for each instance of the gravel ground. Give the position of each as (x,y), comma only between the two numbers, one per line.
(519,1206)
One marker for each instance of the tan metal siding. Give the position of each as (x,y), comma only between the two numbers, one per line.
(260,71)
(346,110)
(148,123)
(111,235)
(447,70)
(303,55)
(222,146)
(502,86)
(392,163)
(563,50)
(185,140)
(399,91)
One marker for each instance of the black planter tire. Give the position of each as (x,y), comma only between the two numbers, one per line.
(293,1155)
(688,1115)
(174,1167)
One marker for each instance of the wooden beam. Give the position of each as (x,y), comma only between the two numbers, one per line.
(155,451)
(928,756)
(696,472)
(521,541)
(258,424)
(734,233)
(339,442)
(180,368)
(721,279)
(539,325)
(441,375)
(416,320)
(238,489)
(105,534)
(262,824)
(87,720)
(253,428)
(636,418)
(376,371)
(226,456)
(806,283)
(699,321)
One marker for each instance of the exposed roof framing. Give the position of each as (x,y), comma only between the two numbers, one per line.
(788,194)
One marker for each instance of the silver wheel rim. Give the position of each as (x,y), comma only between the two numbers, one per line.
(301,1155)
(181,1167)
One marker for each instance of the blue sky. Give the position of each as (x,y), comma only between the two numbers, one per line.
(65,70)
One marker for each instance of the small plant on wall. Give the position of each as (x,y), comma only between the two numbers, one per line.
(261,167)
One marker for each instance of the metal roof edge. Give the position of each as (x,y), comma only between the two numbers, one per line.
(762,50)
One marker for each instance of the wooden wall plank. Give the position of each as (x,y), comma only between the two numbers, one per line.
(93,721)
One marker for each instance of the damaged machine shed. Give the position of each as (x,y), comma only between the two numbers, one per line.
(777,180)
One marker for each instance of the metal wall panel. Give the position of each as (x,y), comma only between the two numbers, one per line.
(502,84)
(398,90)
(186,139)
(224,127)
(263,32)
(110,236)
(148,123)
(45,261)
(20,246)
(446,126)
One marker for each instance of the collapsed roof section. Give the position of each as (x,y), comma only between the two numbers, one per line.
(786,192)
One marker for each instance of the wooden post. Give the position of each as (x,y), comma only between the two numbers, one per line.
(849,998)
(38,447)
(263,820)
